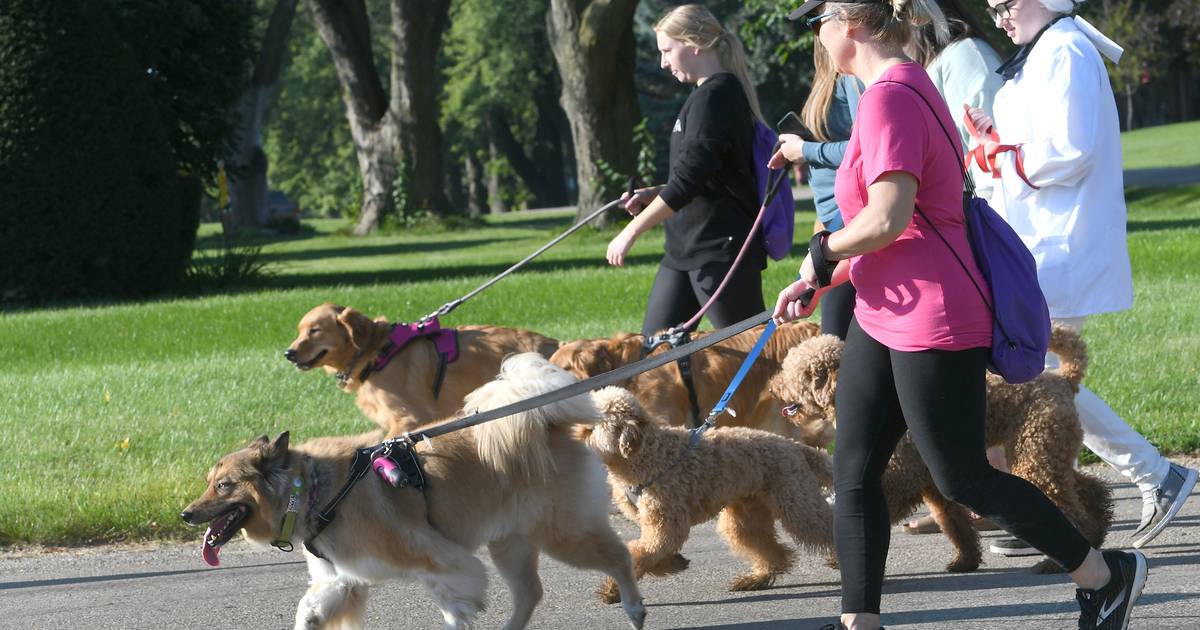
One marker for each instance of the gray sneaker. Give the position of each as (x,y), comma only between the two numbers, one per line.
(1161,505)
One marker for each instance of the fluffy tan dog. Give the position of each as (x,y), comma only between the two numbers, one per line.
(401,396)
(751,478)
(521,485)
(662,392)
(1035,422)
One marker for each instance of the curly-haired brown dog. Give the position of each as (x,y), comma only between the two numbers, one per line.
(402,395)
(751,478)
(1035,422)
(662,392)
(522,485)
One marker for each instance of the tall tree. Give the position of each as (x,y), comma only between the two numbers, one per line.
(1137,27)
(502,90)
(248,162)
(593,47)
(390,127)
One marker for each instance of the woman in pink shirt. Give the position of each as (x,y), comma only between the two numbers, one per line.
(917,350)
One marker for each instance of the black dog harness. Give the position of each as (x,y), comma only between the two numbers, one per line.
(401,452)
(675,338)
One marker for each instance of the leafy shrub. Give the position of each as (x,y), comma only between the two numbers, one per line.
(93,204)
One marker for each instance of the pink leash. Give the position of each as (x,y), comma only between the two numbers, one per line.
(691,323)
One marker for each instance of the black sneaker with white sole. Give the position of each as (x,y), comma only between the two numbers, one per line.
(1108,608)
(1013,547)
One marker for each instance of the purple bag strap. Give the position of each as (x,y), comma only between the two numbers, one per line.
(969,184)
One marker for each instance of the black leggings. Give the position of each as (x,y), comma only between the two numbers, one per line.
(837,309)
(677,295)
(939,397)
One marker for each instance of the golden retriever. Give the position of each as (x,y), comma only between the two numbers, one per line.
(662,392)
(1035,422)
(404,394)
(521,485)
(751,478)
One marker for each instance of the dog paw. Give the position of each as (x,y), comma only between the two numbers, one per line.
(962,565)
(1048,567)
(831,561)
(670,565)
(752,581)
(609,593)
(637,615)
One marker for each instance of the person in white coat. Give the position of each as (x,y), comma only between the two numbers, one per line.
(1055,150)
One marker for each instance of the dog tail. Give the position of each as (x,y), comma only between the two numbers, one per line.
(518,445)
(1072,352)
(820,464)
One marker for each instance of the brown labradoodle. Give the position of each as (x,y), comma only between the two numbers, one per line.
(1035,422)
(750,478)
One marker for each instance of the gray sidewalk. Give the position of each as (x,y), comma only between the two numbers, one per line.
(168,585)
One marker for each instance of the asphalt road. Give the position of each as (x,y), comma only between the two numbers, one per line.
(155,586)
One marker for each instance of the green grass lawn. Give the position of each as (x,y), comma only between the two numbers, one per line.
(111,415)
(1162,147)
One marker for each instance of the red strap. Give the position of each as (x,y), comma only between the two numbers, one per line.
(987,162)
(1018,161)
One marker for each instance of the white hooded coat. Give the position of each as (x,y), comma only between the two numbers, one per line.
(1060,109)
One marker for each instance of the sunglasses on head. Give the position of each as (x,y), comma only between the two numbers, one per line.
(1000,11)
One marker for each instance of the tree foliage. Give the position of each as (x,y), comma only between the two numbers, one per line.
(195,55)
(94,205)
(307,141)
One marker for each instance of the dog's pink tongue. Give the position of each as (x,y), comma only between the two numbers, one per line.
(209,552)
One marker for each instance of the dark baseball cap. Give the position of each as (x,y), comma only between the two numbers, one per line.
(807,7)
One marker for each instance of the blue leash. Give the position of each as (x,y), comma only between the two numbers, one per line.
(635,493)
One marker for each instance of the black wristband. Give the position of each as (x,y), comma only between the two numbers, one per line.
(816,251)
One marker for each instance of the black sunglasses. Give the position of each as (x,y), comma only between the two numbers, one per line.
(1000,11)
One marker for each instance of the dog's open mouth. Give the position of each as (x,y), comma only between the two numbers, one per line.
(790,410)
(307,365)
(219,531)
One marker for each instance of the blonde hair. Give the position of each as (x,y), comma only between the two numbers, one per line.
(893,22)
(820,98)
(694,25)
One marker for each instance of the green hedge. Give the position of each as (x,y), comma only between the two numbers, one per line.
(91,202)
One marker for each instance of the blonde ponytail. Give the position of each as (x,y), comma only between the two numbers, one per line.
(694,25)
(815,114)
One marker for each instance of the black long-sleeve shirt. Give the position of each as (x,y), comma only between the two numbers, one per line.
(712,186)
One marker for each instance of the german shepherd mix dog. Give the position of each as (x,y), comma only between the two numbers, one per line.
(408,391)
(521,485)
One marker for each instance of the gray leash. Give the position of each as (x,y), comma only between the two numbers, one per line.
(618,375)
(450,306)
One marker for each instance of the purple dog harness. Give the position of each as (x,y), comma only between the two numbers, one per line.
(445,341)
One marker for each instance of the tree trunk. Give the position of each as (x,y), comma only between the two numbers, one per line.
(346,30)
(248,165)
(548,148)
(495,196)
(593,47)
(1129,109)
(417,27)
(476,195)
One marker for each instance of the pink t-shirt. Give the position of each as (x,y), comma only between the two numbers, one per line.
(912,293)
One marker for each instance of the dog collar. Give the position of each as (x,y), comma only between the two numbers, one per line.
(284,541)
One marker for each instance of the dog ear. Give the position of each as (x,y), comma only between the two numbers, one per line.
(356,324)
(630,440)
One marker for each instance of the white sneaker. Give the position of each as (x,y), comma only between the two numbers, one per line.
(1161,505)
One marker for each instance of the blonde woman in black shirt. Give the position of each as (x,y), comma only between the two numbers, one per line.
(710,200)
